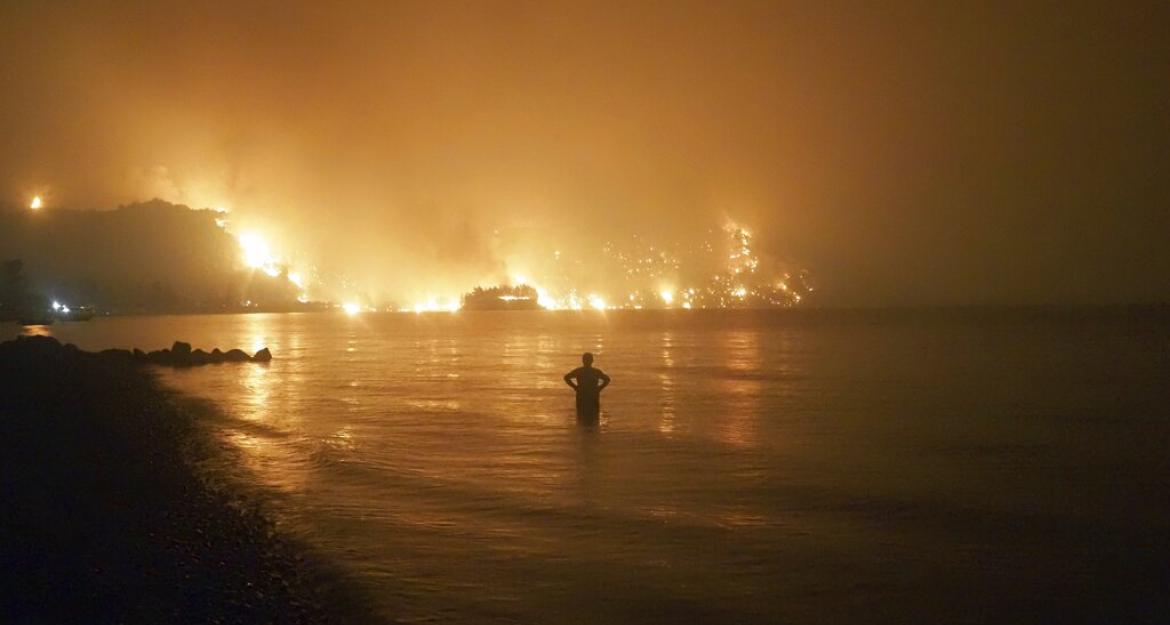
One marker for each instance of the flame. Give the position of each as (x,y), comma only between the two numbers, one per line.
(257,254)
(36,203)
(434,305)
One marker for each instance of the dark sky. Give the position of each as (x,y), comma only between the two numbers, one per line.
(935,152)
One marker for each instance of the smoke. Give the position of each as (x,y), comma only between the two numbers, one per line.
(946,154)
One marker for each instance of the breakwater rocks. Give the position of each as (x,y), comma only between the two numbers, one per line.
(179,355)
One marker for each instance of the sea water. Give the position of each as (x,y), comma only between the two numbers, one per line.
(747,467)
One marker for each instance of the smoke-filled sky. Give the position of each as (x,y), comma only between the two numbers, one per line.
(904,153)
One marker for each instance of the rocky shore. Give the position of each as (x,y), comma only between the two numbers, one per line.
(106,519)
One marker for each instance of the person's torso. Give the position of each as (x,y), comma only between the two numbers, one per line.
(588,379)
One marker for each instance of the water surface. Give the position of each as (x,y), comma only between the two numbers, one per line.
(748,467)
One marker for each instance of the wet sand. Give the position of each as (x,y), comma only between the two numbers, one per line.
(108,520)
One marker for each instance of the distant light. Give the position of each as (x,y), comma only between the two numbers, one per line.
(687,305)
(65,309)
(667,296)
(36,203)
(596,302)
(351,308)
(520,280)
(56,305)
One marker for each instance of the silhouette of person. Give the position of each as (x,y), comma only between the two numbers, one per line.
(585,380)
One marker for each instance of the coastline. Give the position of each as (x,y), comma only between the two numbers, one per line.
(107,518)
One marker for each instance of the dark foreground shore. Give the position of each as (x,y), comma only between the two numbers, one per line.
(106,520)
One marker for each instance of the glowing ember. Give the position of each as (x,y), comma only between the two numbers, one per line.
(36,203)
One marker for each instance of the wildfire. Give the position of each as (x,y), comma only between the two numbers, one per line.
(434,305)
(724,271)
(257,254)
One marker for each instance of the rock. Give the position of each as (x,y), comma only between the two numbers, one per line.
(216,356)
(160,357)
(200,357)
(181,349)
(123,355)
(235,355)
(262,356)
(139,354)
(38,347)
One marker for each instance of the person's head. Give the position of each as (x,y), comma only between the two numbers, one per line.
(587,359)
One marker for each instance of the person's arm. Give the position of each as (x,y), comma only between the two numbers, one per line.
(604,380)
(569,378)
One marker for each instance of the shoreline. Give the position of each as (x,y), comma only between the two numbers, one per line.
(108,518)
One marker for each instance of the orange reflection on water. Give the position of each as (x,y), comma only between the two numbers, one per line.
(666,383)
(743,387)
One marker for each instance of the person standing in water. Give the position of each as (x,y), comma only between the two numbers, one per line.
(588,382)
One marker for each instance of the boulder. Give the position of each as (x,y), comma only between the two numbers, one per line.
(235,355)
(38,347)
(181,349)
(160,357)
(262,356)
(122,355)
(200,357)
(139,354)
